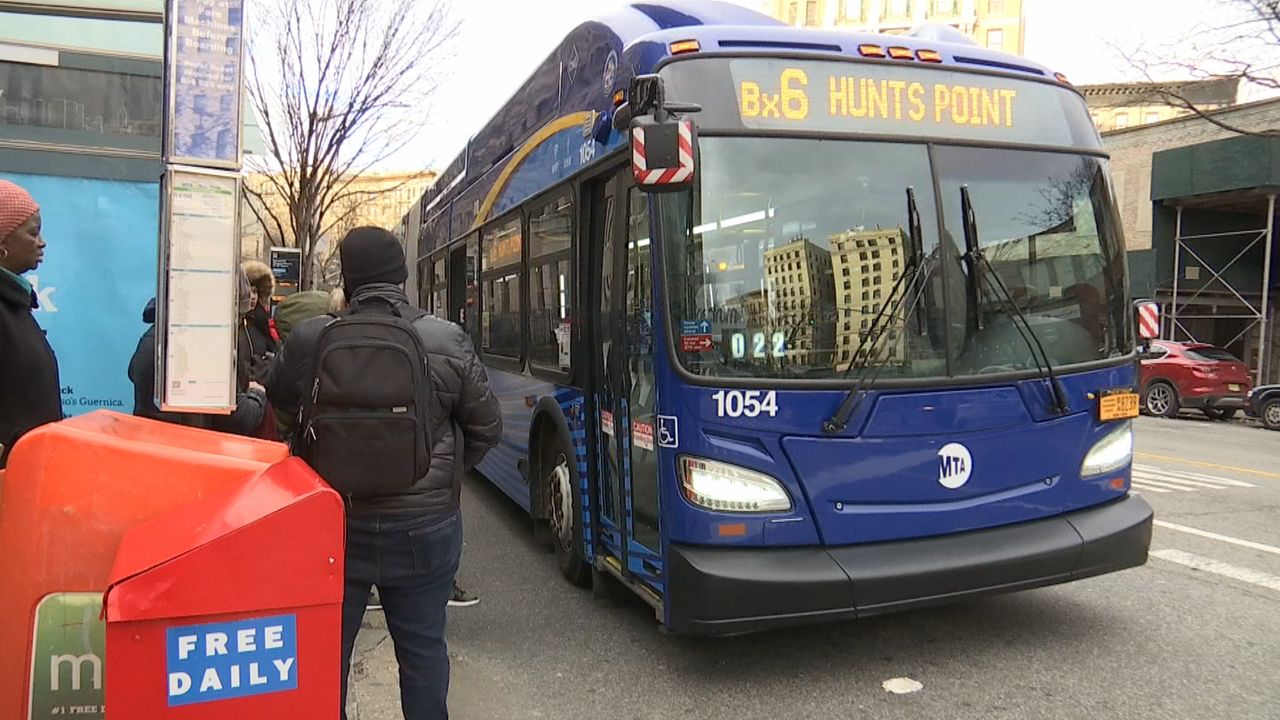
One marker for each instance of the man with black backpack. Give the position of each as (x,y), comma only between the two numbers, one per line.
(394,406)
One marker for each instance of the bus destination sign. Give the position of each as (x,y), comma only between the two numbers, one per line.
(867,98)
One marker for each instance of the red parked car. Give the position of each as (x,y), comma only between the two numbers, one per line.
(1178,375)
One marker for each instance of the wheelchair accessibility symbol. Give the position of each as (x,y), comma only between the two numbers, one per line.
(668,431)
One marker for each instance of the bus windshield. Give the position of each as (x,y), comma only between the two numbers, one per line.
(780,260)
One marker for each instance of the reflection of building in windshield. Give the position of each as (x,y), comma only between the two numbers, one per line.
(866,264)
(801,301)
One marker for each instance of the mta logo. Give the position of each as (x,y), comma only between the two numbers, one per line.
(955,465)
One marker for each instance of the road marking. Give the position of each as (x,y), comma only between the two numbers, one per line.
(1168,487)
(1196,562)
(1221,538)
(1247,471)
(1191,476)
(1154,479)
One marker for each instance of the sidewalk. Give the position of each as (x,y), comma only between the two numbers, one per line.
(374,692)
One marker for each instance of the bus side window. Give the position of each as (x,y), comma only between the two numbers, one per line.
(502,245)
(550,283)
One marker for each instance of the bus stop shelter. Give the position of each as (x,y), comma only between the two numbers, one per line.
(1215,235)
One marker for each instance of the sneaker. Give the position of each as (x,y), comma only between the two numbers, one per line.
(375,601)
(462,598)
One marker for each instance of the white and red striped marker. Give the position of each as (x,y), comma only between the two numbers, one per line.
(647,176)
(1148,320)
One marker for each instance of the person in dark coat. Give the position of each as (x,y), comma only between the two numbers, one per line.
(407,544)
(251,398)
(256,324)
(291,312)
(30,391)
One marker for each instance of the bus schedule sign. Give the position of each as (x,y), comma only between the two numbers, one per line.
(872,98)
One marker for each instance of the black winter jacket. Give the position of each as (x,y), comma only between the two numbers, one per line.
(255,336)
(462,400)
(30,392)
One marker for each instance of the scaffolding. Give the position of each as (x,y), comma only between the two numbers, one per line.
(1258,315)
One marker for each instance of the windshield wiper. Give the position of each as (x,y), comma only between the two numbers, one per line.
(980,269)
(919,279)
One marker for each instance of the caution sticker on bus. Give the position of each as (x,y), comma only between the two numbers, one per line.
(1117,405)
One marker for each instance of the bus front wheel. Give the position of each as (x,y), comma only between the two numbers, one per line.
(564,511)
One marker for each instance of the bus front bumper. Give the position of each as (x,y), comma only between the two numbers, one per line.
(726,591)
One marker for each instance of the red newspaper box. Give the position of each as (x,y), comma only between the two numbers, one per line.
(231,607)
(71,491)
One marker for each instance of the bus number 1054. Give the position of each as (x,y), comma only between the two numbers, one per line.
(745,403)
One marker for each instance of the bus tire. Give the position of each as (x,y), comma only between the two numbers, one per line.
(564,508)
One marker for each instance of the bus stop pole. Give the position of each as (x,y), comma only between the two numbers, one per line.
(1264,353)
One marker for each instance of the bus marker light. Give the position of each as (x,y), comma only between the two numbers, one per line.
(732,529)
(685,46)
(1117,483)
(1061,78)
(871,51)
(932,56)
(901,53)
(619,97)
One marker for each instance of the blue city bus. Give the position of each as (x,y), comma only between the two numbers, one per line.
(878,355)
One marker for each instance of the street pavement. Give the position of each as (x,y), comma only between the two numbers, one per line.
(1193,634)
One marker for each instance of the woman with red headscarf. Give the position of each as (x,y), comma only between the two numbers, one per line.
(29,387)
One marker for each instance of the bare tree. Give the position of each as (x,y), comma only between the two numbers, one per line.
(339,87)
(1241,42)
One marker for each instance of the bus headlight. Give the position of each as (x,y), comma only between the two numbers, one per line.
(1110,453)
(729,488)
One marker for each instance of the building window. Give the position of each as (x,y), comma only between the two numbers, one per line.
(1122,120)
(995,39)
(1153,116)
(793,10)
(811,13)
(502,245)
(944,7)
(550,275)
(900,8)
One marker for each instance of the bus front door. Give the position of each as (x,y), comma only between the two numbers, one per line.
(625,393)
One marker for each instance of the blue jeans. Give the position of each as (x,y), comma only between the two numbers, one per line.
(413,561)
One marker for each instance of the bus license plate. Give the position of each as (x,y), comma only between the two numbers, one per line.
(1233,387)
(1118,406)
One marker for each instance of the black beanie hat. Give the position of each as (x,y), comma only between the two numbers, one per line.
(371,255)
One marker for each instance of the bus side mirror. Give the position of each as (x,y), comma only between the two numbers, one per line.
(664,148)
(663,154)
(1147,318)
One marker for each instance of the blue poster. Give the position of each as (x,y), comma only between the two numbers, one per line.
(221,661)
(204,82)
(99,270)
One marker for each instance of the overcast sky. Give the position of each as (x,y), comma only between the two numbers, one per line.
(501,42)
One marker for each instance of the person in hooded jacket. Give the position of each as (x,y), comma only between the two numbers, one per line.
(251,397)
(408,544)
(30,391)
